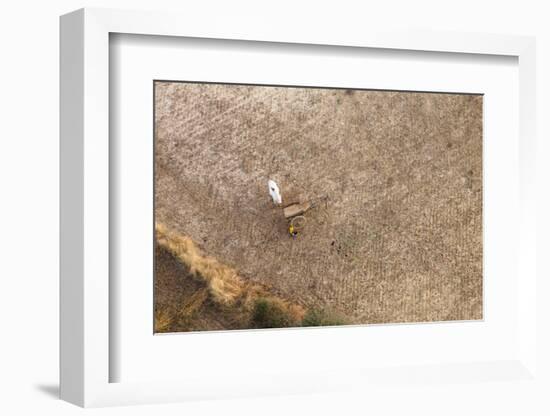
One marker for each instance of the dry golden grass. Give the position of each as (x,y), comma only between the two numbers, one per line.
(163,320)
(194,302)
(222,285)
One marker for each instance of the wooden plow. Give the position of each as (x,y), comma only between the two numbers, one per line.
(294,214)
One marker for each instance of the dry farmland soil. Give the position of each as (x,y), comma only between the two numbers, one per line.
(398,237)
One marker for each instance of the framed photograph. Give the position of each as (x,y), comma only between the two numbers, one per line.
(291,211)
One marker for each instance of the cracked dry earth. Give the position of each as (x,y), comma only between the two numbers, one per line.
(399,238)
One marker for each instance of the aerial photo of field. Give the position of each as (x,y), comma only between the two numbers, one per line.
(379,218)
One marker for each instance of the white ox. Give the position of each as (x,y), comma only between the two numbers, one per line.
(274,192)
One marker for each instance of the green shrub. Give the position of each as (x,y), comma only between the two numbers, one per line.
(270,314)
(321,318)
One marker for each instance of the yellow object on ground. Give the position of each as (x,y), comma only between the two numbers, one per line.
(293,231)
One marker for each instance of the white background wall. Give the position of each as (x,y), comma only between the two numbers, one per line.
(29,57)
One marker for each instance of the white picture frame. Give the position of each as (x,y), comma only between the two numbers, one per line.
(85,221)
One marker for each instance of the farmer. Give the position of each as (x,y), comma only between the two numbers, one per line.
(292,231)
